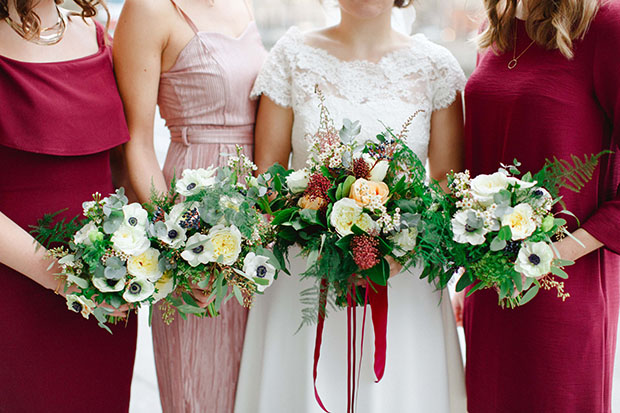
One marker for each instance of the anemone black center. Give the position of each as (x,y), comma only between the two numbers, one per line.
(133,221)
(172,234)
(77,307)
(111,283)
(538,193)
(198,249)
(469,228)
(534,259)
(191,186)
(135,288)
(261,271)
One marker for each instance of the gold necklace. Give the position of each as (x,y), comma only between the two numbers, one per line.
(515,59)
(48,36)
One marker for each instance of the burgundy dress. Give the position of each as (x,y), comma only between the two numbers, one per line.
(550,356)
(57,123)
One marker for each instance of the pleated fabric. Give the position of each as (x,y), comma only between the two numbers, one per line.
(204,99)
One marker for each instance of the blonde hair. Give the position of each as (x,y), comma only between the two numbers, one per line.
(553,24)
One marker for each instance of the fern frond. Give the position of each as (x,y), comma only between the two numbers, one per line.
(48,232)
(310,298)
(561,173)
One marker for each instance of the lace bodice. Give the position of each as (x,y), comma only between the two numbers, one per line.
(424,76)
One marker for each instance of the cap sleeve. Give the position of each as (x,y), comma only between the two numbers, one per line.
(274,80)
(447,78)
(604,223)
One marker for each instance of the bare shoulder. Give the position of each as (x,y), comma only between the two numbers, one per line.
(151,11)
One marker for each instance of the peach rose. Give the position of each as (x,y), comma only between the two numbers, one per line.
(363,191)
(315,203)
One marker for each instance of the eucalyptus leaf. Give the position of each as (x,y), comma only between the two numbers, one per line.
(531,293)
(497,244)
(559,272)
(80,282)
(238,294)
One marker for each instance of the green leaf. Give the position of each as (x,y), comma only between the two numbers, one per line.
(562,263)
(357,230)
(80,282)
(497,244)
(189,309)
(505,233)
(378,274)
(531,293)
(344,243)
(475,288)
(464,282)
(516,278)
(283,216)
(311,216)
(346,185)
(189,299)
(238,294)
(559,272)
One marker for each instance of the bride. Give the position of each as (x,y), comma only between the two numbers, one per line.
(368,72)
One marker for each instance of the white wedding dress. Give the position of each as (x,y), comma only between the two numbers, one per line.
(424,371)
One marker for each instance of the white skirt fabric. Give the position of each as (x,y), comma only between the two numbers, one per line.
(424,370)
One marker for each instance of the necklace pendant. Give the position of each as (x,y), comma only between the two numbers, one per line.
(512,64)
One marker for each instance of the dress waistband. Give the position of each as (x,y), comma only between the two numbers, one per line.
(205,135)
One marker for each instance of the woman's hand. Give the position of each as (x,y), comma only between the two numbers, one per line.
(457,306)
(395,266)
(120,312)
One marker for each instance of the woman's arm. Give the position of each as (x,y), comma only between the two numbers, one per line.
(445,150)
(20,251)
(272,136)
(139,41)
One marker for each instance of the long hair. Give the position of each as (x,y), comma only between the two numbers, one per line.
(553,24)
(31,23)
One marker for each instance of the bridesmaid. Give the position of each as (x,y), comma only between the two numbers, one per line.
(548,84)
(61,115)
(197,60)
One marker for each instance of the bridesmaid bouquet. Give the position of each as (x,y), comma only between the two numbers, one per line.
(216,238)
(110,257)
(503,228)
(125,253)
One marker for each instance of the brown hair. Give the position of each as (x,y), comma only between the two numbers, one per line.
(31,23)
(552,24)
(401,4)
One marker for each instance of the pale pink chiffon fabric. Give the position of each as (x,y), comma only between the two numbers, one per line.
(205,101)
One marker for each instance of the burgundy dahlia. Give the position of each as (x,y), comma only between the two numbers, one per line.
(365,251)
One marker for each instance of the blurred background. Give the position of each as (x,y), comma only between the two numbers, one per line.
(451,23)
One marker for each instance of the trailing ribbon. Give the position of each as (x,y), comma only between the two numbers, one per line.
(376,296)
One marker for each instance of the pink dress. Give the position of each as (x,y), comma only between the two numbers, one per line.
(205,100)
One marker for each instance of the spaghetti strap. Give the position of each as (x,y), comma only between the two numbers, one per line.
(186,17)
(247,6)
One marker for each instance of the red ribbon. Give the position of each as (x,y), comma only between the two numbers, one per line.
(376,296)
(319,339)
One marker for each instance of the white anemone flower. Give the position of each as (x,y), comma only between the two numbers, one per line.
(174,235)
(257,266)
(534,259)
(135,216)
(195,180)
(197,250)
(80,304)
(106,285)
(139,289)
(468,228)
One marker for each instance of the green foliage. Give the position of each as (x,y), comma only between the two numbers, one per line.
(50,232)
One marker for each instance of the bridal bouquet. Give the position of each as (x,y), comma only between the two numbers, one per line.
(216,238)
(504,227)
(353,206)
